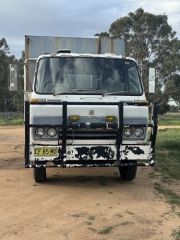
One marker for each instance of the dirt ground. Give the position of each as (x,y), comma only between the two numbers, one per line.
(74,204)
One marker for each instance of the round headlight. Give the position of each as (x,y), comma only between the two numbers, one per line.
(51,132)
(139,132)
(128,132)
(40,132)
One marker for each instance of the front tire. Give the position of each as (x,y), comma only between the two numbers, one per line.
(39,174)
(128,173)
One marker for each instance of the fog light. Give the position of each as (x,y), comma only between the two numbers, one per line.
(40,132)
(128,132)
(74,118)
(139,132)
(110,118)
(51,132)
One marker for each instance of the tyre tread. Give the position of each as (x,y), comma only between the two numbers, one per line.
(39,174)
(128,173)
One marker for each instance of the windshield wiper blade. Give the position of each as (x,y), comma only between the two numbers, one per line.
(59,93)
(112,93)
(86,90)
(75,91)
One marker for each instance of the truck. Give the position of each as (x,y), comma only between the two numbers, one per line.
(85,106)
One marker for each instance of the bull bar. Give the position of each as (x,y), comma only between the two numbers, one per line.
(62,161)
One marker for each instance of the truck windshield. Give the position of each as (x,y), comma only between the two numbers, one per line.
(87,75)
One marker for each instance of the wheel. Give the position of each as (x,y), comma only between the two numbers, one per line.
(39,174)
(128,173)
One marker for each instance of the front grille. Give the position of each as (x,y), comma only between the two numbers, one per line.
(89,134)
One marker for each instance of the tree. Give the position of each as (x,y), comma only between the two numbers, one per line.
(9,101)
(3,47)
(152,42)
(172,83)
(19,95)
(102,34)
(149,37)
(4,62)
(172,88)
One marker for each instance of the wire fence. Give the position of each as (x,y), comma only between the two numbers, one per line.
(11,118)
(11,114)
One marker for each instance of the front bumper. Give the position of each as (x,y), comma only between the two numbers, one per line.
(94,156)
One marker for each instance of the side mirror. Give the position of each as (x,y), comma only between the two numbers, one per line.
(152,80)
(30,65)
(13,83)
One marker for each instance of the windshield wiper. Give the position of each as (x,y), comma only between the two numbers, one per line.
(75,91)
(59,93)
(86,90)
(112,93)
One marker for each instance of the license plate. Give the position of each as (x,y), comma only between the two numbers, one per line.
(45,152)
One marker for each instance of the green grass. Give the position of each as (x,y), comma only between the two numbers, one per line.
(176,234)
(172,198)
(168,163)
(170,119)
(11,121)
(168,153)
(178,214)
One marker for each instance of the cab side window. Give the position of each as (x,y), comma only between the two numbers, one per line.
(134,83)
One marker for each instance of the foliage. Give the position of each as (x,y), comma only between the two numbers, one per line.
(4,61)
(174,109)
(173,87)
(153,43)
(10,101)
(103,34)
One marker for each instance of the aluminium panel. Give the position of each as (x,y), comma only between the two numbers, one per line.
(38,45)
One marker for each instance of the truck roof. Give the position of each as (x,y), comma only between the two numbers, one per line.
(106,55)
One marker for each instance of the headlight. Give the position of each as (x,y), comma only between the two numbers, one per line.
(139,132)
(128,132)
(40,132)
(51,132)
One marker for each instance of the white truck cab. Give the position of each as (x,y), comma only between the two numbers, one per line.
(87,110)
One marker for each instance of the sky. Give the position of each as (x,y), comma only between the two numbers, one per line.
(72,18)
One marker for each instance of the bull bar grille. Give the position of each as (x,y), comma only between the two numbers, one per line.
(66,133)
(89,134)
